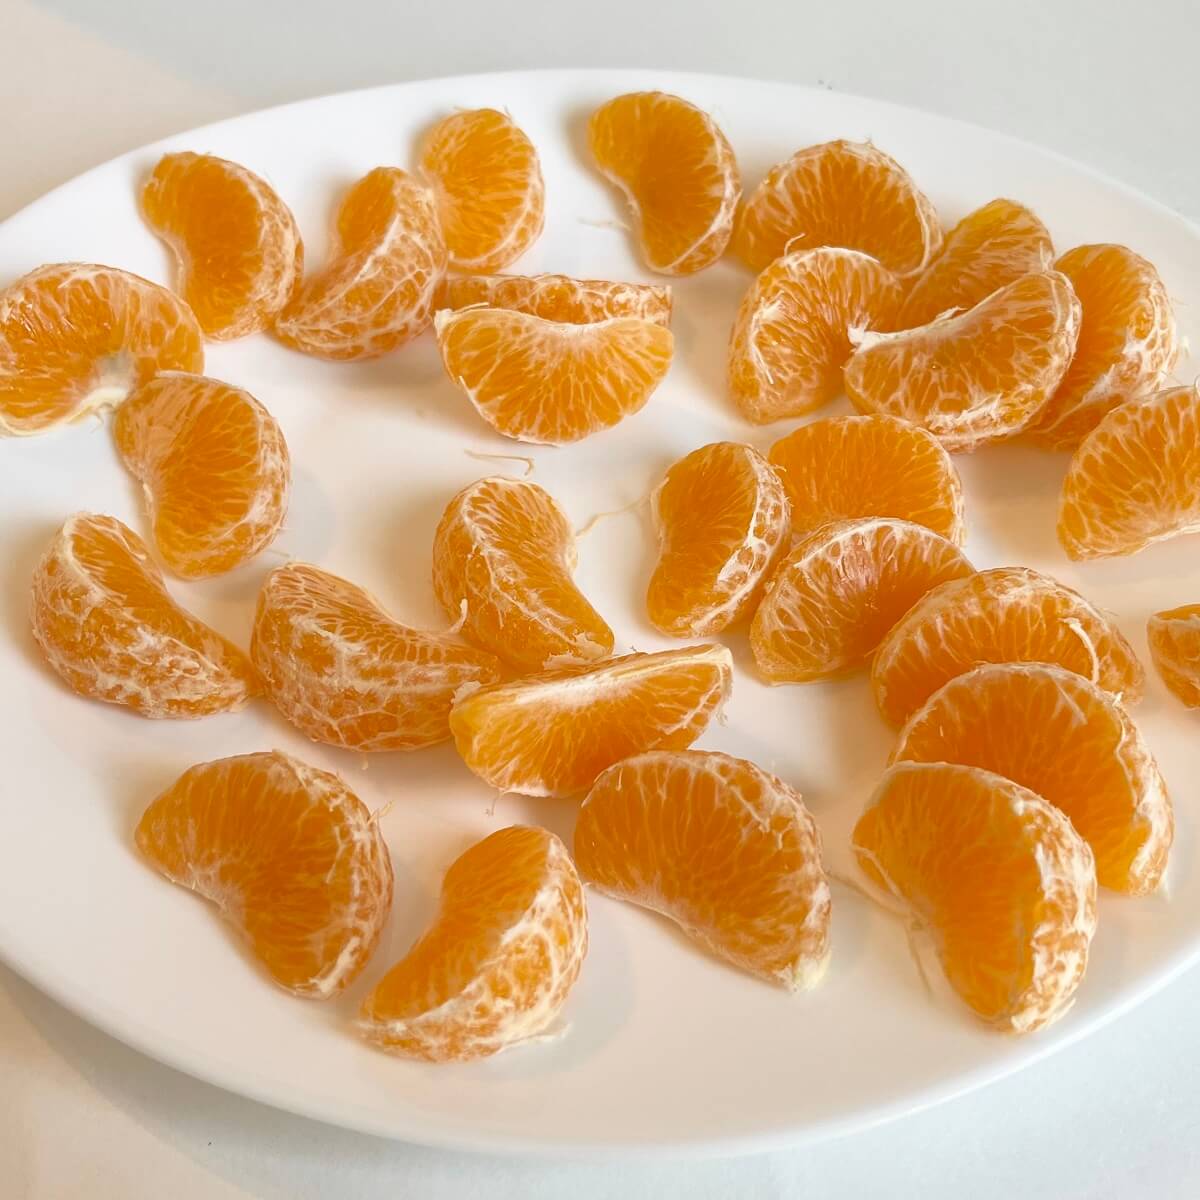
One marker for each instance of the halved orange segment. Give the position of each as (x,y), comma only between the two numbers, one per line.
(678,172)
(552,381)
(988,249)
(978,377)
(1059,735)
(551,734)
(485,174)
(722,521)
(503,554)
(838,592)
(106,623)
(558,297)
(1135,479)
(238,252)
(499,960)
(75,337)
(1174,637)
(726,851)
(344,672)
(843,468)
(1006,614)
(793,330)
(214,466)
(1001,880)
(1127,345)
(290,856)
(839,194)
(376,290)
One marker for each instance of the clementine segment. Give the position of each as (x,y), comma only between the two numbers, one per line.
(503,555)
(106,623)
(551,734)
(678,172)
(1174,637)
(726,851)
(290,857)
(214,466)
(722,520)
(792,334)
(558,297)
(238,251)
(1001,880)
(499,960)
(75,337)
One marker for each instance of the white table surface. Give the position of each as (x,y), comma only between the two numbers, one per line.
(80,81)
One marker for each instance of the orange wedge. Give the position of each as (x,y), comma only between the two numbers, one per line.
(1174,637)
(558,297)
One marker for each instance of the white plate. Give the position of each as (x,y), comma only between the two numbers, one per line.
(666,1047)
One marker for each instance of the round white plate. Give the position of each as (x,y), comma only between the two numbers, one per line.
(665,1047)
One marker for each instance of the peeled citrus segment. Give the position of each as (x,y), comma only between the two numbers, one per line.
(558,297)
(75,338)
(678,172)
(376,291)
(841,468)
(1004,884)
(237,246)
(839,591)
(1174,637)
(1127,341)
(1006,614)
(839,194)
(496,965)
(1058,735)
(214,466)
(988,249)
(503,554)
(290,856)
(488,183)
(345,673)
(552,381)
(552,734)
(726,851)
(978,377)
(792,334)
(1135,479)
(722,520)
(106,623)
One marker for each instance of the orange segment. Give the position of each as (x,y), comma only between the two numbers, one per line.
(1135,479)
(376,291)
(840,589)
(552,381)
(343,672)
(722,520)
(75,338)
(988,249)
(1058,735)
(839,194)
(106,623)
(289,855)
(842,468)
(214,466)
(678,172)
(503,555)
(558,297)
(792,333)
(552,734)
(1127,341)
(1174,637)
(237,247)
(1003,883)
(975,378)
(726,851)
(1007,614)
(496,965)
(488,183)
